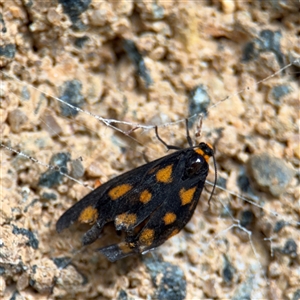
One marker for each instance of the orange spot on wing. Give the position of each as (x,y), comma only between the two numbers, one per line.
(119,191)
(146,237)
(145,196)
(88,215)
(169,218)
(186,196)
(164,175)
(125,219)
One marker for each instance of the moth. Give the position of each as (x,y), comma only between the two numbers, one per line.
(150,203)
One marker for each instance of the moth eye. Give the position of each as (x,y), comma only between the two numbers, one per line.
(194,168)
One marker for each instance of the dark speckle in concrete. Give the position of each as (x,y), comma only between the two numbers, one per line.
(15,296)
(268,41)
(71,93)
(25,94)
(221,181)
(279,225)
(278,92)
(3,29)
(296,296)
(122,295)
(228,271)
(244,290)
(138,61)
(8,50)
(198,101)
(244,184)
(247,218)
(61,262)
(49,196)
(32,240)
(80,41)
(53,177)
(74,8)
(172,284)
(290,248)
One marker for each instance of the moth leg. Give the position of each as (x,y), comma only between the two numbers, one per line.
(93,234)
(118,251)
(169,147)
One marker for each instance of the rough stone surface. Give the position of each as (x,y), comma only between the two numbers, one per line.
(226,47)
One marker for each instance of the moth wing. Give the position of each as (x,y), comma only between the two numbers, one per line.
(73,214)
(130,208)
(150,193)
(98,206)
(94,200)
(173,215)
(168,218)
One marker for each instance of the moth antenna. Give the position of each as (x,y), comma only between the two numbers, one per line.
(188,137)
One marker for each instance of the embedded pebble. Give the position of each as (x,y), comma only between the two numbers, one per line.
(95,169)
(17,119)
(269,173)
(77,168)
(290,248)
(50,124)
(277,93)
(168,279)
(228,271)
(199,100)
(71,93)
(138,61)
(74,9)
(53,177)
(8,50)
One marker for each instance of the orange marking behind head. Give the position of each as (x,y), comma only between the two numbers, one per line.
(88,215)
(169,218)
(186,196)
(119,191)
(164,175)
(201,152)
(146,238)
(145,196)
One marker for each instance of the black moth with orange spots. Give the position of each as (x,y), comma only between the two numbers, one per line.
(150,204)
